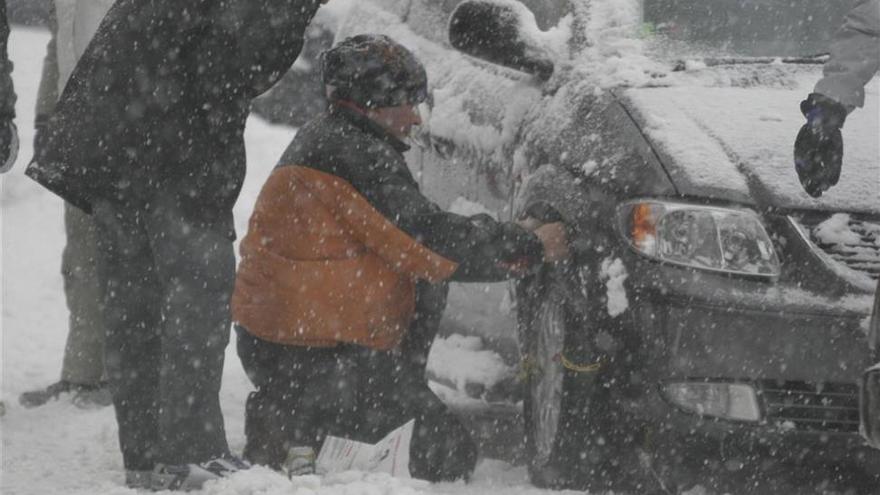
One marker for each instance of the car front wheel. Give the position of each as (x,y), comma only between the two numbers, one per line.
(575,437)
(557,426)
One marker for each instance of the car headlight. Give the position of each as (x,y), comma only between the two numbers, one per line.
(735,401)
(705,237)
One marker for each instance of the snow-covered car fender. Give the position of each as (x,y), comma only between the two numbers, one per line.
(559,189)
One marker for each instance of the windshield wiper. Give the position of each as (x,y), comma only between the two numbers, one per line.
(819,58)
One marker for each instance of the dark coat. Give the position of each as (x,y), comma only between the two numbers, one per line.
(159,101)
(346,144)
(7,93)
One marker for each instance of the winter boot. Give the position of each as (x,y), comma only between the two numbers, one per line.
(37,398)
(93,397)
(138,480)
(300,461)
(264,444)
(186,477)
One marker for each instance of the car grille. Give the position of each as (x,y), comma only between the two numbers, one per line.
(862,255)
(803,406)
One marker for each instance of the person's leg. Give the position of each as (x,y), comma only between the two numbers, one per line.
(84,353)
(265,438)
(82,370)
(131,299)
(302,395)
(442,448)
(196,267)
(329,403)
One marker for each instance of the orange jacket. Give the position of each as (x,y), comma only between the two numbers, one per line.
(320,265)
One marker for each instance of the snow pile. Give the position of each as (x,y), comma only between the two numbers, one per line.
(462,360)
(331,14)
(836,230)
(490,477)
(465,207)
(614,274)
(614,54)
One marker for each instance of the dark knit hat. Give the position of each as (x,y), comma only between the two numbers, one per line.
(374,71)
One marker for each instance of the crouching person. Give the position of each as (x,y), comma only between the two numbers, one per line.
(340,249)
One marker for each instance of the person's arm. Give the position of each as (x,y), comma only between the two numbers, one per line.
(855,56)
(485,249)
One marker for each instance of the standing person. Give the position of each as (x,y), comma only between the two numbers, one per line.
(73,23)
(8,132)
(148,138)
(341,251)
(818,149)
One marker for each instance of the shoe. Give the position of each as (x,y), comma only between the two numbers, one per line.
(300,461)
(36,398)
(186,477)
(86,395)
(93,396)
(138,480)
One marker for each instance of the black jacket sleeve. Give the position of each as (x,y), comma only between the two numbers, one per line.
(481,245)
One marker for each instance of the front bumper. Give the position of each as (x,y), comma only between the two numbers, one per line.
(802,353)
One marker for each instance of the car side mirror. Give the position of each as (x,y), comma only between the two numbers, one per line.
(869,406)
(498,32)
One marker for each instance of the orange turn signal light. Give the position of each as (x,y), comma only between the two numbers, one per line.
(643,225)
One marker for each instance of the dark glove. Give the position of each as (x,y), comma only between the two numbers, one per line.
(8,145)
(818,149)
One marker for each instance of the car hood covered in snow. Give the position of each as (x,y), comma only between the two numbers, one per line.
(734,142)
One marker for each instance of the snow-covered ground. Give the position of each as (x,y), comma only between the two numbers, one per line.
(59,448)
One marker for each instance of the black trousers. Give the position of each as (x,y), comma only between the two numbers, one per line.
(166,280)
(305,393)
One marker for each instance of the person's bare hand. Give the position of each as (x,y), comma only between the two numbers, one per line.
(529,223)
(555,241)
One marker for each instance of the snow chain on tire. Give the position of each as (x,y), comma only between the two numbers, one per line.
(528,367)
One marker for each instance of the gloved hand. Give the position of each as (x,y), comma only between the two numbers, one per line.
(8,146)
(818,149)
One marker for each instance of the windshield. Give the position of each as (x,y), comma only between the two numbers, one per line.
(752,28)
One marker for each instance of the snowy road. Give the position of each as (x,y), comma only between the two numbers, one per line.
(62,449)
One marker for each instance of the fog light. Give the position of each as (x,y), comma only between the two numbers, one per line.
(734,401)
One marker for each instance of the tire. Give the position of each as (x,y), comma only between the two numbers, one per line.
(575,437)
(555,397)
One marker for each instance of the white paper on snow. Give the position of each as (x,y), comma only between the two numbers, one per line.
(390,455)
